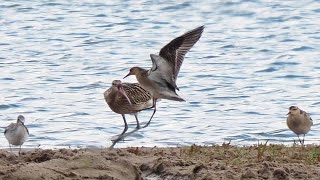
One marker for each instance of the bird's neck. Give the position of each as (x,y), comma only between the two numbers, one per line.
(142,73)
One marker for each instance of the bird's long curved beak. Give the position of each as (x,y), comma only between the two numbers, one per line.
(19,121)
(127,75)
(123,92)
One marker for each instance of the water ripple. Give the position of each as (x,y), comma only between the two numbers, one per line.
(254,60)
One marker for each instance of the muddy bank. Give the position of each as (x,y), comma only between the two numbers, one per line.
(193,162)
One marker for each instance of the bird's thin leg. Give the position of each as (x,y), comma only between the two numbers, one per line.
(120,136)
(138,124)
(136,129)
(125,125)
(10,147)
(154,111)
(124,130)
(19,150)
(300,140)
(303,138)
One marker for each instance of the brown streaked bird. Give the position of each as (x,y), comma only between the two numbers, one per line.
(127,98)
(160,80)
(299,122)
(17,133)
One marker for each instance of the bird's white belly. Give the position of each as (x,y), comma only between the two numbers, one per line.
(17,137)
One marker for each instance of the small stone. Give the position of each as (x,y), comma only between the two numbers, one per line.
(280,174)
(144,167)
(198,168)
(268,158)
(248,174)
(229,175)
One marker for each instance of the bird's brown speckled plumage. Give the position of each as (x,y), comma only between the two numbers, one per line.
(140,99)
(127,98)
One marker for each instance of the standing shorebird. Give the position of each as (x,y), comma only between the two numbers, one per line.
(17,133)
(299,122)
(160,80)
(127,98)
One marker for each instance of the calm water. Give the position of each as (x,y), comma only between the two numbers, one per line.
(254,60)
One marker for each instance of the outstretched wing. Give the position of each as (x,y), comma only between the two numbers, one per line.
(162,72)
(175,51)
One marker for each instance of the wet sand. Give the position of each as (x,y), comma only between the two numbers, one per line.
(192,162)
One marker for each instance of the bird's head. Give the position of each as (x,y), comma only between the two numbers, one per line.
(116,83)
(293,110)
(20,119)
(118,86)
(134,71)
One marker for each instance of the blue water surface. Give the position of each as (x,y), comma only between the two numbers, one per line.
(254,60)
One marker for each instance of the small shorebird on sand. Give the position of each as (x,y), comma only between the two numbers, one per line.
(160,80)
(127,98)
(299,122)
(17,133)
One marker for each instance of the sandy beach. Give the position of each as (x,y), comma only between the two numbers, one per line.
(224,161)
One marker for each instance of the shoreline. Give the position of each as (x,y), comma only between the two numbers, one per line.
(261,161)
